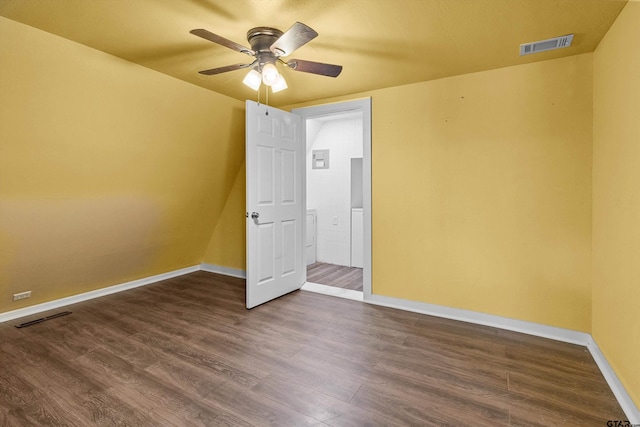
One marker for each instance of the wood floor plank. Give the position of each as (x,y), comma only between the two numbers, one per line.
(335,275)
(315,404)
(45,412)
(15,393)
(199,355)
(257,409)
(135,386)
(100,407)
(587,399)
(42,367)
(402,409)
(331,383)
(191,380)
(185,351)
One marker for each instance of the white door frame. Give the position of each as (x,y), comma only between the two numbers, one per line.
(364,106)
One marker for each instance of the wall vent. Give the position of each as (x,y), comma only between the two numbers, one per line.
(42,319)
(543,45)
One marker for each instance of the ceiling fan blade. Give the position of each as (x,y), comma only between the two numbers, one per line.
(207,35)
(328,70)
(220,70)
(298,35)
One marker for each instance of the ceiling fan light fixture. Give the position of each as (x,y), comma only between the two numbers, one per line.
(268,45)
(270,74)
(253,79)
(279,85)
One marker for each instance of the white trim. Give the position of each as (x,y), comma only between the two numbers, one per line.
(333,291)
(536,329)
(624,399)
(227,271)
(51,305)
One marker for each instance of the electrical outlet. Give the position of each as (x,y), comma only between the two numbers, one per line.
(21,295)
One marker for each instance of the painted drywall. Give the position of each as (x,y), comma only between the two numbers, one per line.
(227,246)
(482,191)
(329,190)
(109,171)
(616,198)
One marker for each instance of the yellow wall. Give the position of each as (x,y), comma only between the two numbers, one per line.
(227,247)
(482,192)
(109,171)
(616,198)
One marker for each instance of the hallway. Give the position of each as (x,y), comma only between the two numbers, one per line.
(335,275)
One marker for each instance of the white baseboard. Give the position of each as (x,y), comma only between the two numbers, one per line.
(227,271)
(530,328)
(624,399)
(52,305)
(551,332)
(62,302)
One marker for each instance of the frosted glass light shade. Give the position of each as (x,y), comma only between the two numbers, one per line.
(279,85)
(253,80)
(269,74)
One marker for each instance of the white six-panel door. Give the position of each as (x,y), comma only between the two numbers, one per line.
(275,164)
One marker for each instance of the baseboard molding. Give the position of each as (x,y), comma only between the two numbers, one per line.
(52,305)
(624,399)
(531,328)
(559,334)
(62,302)
(227,271)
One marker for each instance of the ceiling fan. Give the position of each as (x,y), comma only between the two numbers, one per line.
(269,46)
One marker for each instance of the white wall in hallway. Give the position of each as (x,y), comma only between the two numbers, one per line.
(329,190)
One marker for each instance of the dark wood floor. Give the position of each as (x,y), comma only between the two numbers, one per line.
(186,352)
(335,275)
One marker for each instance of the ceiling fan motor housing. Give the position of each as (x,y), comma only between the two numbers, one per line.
(261,39)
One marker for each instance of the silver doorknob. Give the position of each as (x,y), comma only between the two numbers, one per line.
(255,215)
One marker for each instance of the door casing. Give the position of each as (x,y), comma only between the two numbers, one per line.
(363,106)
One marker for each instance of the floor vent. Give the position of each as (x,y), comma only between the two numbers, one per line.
(544,45)
(42,319)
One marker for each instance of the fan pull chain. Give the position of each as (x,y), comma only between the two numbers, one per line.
(266,113)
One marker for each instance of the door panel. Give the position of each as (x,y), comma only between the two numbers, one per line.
(288,177)
(288,247)
(265,244)
(265,175)
(275,152)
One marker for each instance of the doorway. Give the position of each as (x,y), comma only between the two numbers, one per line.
(338,198)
